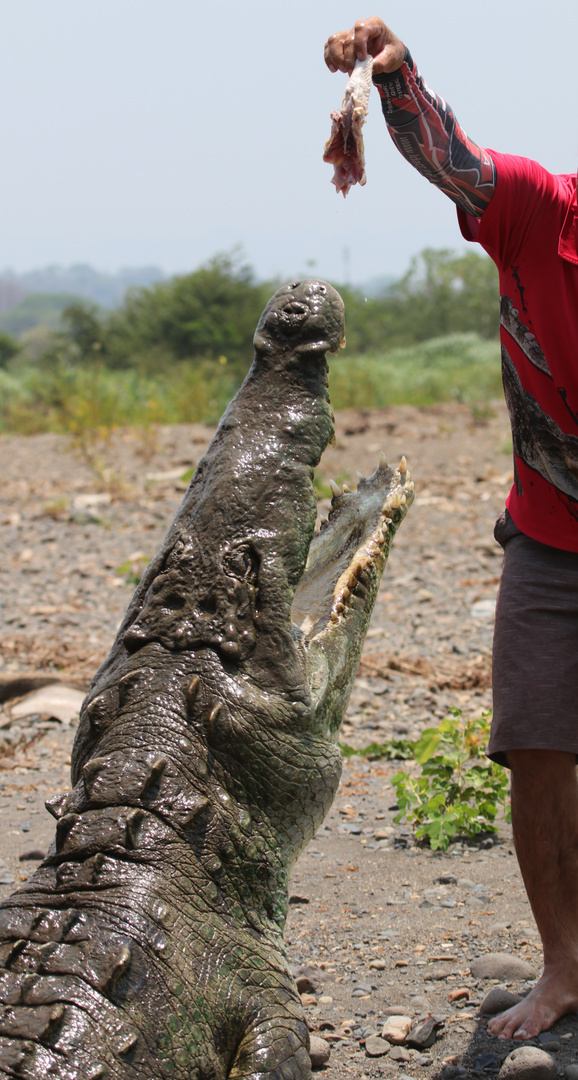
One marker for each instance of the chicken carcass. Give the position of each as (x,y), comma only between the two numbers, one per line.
(344,147)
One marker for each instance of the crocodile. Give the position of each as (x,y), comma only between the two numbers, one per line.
(149,942)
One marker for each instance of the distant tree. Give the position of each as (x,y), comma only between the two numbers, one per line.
(9,347)
(210,314)
(444,293)
(84,330)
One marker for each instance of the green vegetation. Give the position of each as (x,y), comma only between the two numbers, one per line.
(392,750)
(459,791)
(38,309)
(178,350)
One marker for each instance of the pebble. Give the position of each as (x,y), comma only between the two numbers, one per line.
(308,1000)
(399,1053)
(419,1004)
(551,1044)
(571,1072)
(377,965)
(398,1010)
(460,994)
(501,966)
(396,1028)
(497,1001)
(376,1046)
(424,1035)
(305,985)
(528,1063)
(325,999)
(319,1052)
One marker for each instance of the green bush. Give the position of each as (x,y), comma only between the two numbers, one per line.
(462,367)
(459,791)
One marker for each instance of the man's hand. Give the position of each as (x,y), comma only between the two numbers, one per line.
(368,37)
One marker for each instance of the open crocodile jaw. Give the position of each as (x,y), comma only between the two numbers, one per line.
(150,941)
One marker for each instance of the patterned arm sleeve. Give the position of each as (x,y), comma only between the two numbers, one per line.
(426,132)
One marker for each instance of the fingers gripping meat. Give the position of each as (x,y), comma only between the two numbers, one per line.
(344,147)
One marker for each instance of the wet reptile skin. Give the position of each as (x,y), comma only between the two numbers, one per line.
(149,943)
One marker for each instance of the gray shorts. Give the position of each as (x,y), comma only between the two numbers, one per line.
(535,656)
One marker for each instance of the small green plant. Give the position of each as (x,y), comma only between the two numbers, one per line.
(133,569)
(392,750)
(459,791)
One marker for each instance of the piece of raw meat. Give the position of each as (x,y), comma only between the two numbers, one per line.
(344,147)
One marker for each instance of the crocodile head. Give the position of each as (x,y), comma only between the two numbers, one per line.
(245,633)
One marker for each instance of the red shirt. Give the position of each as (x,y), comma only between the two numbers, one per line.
(529,230)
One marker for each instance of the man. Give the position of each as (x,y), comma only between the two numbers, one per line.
(525,218)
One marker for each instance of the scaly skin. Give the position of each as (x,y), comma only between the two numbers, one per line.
(149,943)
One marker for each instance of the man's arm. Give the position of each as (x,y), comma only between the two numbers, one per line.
(421,124)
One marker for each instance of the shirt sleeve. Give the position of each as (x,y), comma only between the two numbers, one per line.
(426,132)
(526,197)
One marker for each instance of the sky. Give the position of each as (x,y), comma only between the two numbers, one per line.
(139,132)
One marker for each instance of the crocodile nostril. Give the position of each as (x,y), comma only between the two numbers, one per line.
(296,308)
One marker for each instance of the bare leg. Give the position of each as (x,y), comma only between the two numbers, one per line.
(545,826)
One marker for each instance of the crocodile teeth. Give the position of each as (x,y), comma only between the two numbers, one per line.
(346,490)
(403,464)
(335,489)
(382,461)
(360,476)
(410,485)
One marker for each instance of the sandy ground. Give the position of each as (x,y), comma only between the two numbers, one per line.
(370,924)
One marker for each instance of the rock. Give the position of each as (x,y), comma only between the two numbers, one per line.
(571,1072)
(377,965)
(376,1047)
(497,1001)
(501,966)
(399,1053)
(551,1044)
(325,999)
(296,898)
(461,993)
(397,1010)
(396,1029)
(446,879)
(308,1000)
(419,1004)
(58,701)
(465,883)
(528,1063)
(305,985)
(319,1052)
(423,1035)
(31,854)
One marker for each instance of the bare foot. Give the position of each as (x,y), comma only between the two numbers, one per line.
(554,995)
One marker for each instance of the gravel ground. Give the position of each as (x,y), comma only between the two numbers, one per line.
(371,927)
